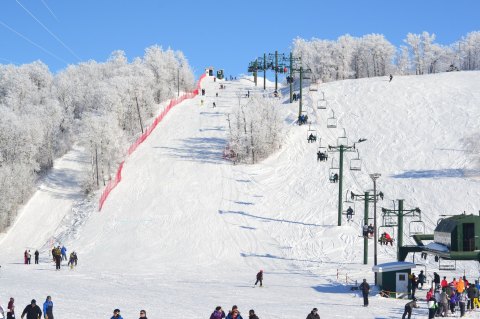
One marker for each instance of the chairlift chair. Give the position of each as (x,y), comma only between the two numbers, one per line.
(342,140)
(386,229)
(311,132)
(332,171)
(348,201)
(322,152)
(332,121)
(356,163)
(416,227)
(322,104)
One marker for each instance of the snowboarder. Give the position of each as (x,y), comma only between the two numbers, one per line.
(234,313)
(37,254)
(32,311)
(48,308)
(252,315)
(143,314)
(218,313)
(391,78)
(11,309)
(116,314)
(259,278)
(365,288)
(64,253)
(409,307)
(349,213)
(313,314)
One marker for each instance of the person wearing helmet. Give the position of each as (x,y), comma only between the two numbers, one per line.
(409,307)
(116,314)
(259,278)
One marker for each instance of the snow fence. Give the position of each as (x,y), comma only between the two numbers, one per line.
(118,176)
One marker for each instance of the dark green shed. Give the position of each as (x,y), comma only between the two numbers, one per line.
(459,233)
(392,278)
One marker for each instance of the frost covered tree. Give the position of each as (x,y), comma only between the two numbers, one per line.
(255,130)
(102,106)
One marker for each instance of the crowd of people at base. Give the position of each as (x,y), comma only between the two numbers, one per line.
(446,298)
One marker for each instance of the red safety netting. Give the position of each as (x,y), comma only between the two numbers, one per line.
(118,177)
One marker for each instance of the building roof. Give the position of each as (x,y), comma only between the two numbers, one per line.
(393,266)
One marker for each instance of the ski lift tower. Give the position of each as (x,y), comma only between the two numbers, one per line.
(341,148)
(277,67)
(400,213)
(367,199)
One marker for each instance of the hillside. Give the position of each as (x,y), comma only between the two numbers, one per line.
(186,230)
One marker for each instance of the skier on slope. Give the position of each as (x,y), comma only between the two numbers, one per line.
(252,315)
(313,314)
(391,78)
(143,314)
(234,313)
(116,314)
(11,309)
(48,308)
(64,253)
(32,311)
(259,278)
(218,313)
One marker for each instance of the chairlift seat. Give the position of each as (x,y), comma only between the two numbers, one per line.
(331,123)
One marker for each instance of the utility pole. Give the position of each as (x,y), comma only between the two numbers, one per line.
(374,177)
(255,71)
(291,77)
(400,213)
(264,71)
(276,71)
(341,149)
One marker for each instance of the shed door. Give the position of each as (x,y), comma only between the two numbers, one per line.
(402,282)
(468,237)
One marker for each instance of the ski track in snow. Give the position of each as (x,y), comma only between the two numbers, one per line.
(186,223)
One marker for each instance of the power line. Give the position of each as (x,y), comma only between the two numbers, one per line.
(51,33)
(48,8)
(35,44)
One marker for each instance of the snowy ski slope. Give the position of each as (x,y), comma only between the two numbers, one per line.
(186,231)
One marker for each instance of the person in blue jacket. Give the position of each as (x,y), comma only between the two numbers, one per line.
(116,314)
(64,253)
(48,308)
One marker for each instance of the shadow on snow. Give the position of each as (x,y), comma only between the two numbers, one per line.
(440,173)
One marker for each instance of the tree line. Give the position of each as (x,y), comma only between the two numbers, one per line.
(101,106)
(373,55)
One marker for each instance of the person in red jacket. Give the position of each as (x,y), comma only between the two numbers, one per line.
(444,283)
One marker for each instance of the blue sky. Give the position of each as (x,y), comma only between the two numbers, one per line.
(224,34)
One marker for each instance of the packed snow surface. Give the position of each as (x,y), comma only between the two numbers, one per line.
(186,230)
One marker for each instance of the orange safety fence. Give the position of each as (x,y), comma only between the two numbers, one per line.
(118,177)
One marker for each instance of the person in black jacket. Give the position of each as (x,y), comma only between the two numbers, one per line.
(252,315)
(409,307)
(32,311)
(143,314)
(313,314)
(365,288)
(436,280)
(259,278)
(37,254)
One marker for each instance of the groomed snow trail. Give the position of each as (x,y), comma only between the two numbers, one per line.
(186,231)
